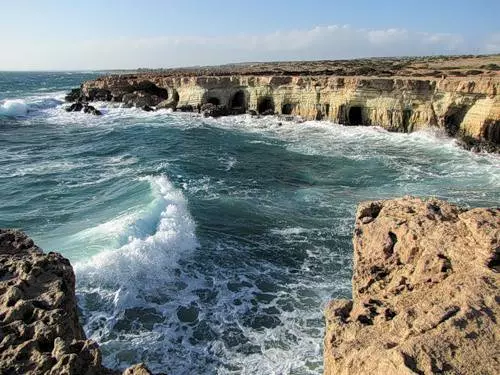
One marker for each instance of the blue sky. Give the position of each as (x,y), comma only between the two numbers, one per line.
(108,34)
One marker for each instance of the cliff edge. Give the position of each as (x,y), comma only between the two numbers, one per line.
(39,328)
(425,292)
(459,95)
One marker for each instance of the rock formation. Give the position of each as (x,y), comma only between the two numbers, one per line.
(83,107)
(425,292)
(395,94)
(39,328)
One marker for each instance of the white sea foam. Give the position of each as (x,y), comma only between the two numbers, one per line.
(13,108)
(40,168)
(31,104)
(229,162)
(149,246)
(290,231)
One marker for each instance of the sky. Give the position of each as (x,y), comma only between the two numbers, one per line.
(113,34)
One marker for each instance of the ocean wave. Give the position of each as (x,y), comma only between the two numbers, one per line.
(147,244)
(13,108)
(30,104)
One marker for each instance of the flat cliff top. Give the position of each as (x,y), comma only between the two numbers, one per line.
(416,67)
(425,292)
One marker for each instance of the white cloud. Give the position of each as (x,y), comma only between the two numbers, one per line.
(321,42)
(493,43)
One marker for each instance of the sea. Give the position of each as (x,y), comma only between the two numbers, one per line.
(208,246)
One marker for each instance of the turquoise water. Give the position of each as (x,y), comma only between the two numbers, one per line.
(208,246)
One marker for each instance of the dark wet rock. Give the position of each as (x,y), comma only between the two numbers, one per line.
(186,108)
(213,110)
(91,110)
(97,94)
(148,87)
(83,107)
(236,111)
(268,112)
(252,112)
(74,95)
(140,99)
(147,108)
(75,107)
(478,145)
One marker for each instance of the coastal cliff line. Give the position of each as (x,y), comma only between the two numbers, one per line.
(463,102)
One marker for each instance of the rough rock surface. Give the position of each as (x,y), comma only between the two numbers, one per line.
(39,328)
(425,292)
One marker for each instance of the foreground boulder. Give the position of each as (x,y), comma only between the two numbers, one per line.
(39,328)
(425,292)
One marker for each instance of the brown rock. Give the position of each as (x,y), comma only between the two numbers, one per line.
(425,292)
(39,328)
(139,369)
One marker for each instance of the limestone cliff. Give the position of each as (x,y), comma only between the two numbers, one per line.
(462,102)
(39,328)
(425,292)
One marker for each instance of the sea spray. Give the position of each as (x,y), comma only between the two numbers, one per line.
(153,244)
(13,108)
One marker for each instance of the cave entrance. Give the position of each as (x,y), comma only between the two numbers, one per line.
(452,120)
(213,100)
(287,109)
(150,88)
(492,132)
(265,106)
(238,100)
(355,116)
(406,119)
(175,96)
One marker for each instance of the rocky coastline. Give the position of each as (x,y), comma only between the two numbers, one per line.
(459,95)
(39,328)
(425,298)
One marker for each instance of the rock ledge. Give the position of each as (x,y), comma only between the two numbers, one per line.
(39,328)
(425,292)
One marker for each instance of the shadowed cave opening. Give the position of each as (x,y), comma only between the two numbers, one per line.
(213,100)
(286,109)
(492,132)
(265,105)
(355,116)
(406,119)
(238,100)
(453,118)
(175,96)
(150,88)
